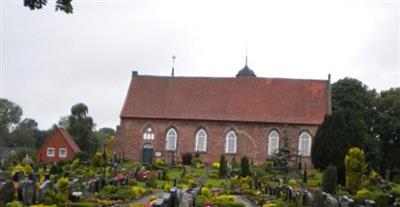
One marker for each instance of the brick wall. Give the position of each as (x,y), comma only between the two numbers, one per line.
(252,138)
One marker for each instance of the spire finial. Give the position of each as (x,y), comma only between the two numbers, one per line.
(173,65)
(246,55)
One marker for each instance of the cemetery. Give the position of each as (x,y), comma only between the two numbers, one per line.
(108,180)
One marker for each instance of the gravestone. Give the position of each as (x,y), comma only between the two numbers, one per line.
(369,203)
(44,189)
(167,199)
(307,198)
(26,192)
(289,194)
(346,201)
(331,201)
(74,185)
(318,198)
(186,199)
(92,186)
(6,191)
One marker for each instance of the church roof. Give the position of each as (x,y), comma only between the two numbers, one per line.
(271,100)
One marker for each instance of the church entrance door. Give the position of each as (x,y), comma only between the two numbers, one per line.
(147,153)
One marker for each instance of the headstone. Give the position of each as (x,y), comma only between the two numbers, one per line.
(26,192)
(174,197)
(43,189)
(369,203)
(186,200)
(159,203)
(74,185)
(331,201)
(289,194)
(307,198)
(318,198)
(346,201)
(6,191)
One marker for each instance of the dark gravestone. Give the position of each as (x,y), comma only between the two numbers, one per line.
(26,192)
(307,198)
(44,189)
(6,191)
(92,186)
(289,194)
(318,198)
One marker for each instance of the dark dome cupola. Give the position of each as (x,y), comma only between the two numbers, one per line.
(246,71)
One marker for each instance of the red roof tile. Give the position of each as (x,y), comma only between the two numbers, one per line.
(272,100)
(69,140)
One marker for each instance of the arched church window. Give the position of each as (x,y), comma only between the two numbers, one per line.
(201,141)
(273,142)
(230,143)
(305,144)
(148,134)
(171,138)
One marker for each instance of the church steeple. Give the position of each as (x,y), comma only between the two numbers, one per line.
(246,71)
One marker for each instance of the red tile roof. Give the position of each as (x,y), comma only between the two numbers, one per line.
(69,140)
(244,99)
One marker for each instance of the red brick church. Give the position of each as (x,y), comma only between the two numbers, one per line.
(167,116)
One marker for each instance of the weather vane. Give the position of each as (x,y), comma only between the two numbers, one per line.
(173,65)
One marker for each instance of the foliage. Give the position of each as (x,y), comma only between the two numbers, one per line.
(362,195)
(355,168)
(151,183)
(10,115)
(62,5)
(97,160)
(292,182)
(215,165)
(342,129)
(82,156)
(281,158)
(244,167)
(329,180)
(159,164)
(388,128)
(80,126)
(223,168)
(205,192)
(14,204)
(62,184)
(381,199)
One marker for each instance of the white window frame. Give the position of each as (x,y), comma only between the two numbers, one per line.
(198,136)
(271,148)
(59,152)
(231,135)
(52,154)
(148,134)
(171,134)
(302,136)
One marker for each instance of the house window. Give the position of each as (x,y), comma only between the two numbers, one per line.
(273,142)
(148,134)
(230,143)
(62,152)
(50,152)
(171,138)
(201,141)
(305,144)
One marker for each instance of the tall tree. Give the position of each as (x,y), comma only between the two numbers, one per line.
(80,126)
(10,115)
(62,5)
(388,128)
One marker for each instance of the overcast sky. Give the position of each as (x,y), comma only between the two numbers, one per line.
(51,60)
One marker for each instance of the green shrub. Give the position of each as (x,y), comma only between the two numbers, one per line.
(205,192)
(355,166)
(196,161)
(381,199)
(244,167)
(48,201)
(292,182)
(158,164)
(97,160)
(151,183)
(14,204)
(215,165)
(125,194)
(329,180)
(223,169)
(362,195)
